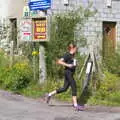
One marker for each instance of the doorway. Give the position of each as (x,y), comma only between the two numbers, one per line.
(109,38)
(13,35)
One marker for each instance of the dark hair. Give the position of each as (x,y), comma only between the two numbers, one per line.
(70,46)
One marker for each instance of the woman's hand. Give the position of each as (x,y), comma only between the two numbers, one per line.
(70,65)
(61,62)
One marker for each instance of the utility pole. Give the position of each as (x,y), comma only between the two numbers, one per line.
(42,64)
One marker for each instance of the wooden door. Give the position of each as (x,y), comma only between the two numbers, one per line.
(109,38)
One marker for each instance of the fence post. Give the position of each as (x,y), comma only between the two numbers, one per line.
(11,53)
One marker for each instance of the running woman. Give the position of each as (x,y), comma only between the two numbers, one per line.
(69,62)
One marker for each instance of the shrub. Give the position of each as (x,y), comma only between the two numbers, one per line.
(112,63)
(17,77)
(109,90)
(4,61)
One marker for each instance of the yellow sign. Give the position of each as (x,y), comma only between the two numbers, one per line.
(40,29)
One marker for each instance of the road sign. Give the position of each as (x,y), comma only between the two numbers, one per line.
(26,30)
(37,14)
(40,29)
(39,4)
(26,11)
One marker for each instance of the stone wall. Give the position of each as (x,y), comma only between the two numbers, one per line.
(93,28)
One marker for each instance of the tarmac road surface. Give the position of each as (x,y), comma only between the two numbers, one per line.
(16,107)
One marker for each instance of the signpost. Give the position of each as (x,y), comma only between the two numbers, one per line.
(36,30)
(26,11)
(26,29)
(40,29)
(39,4)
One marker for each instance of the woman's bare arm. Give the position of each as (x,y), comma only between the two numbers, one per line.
(61,62)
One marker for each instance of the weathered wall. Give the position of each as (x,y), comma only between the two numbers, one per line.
(93,28)
(11,8)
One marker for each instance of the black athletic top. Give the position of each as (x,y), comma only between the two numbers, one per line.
(69,59)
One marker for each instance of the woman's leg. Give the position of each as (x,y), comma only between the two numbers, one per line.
(74,93)
(73,87)
(60,90)
(65,86)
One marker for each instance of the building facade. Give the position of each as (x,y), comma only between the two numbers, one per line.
(11,8)
(102,30)
(10,15)
(104,25)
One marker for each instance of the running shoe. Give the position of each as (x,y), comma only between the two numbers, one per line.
(79,108)
(48,99)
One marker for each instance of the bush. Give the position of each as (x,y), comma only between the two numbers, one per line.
(16,77)
(112,63)
(108,93)
(4,61)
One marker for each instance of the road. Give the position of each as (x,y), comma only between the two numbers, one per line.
(16,107)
